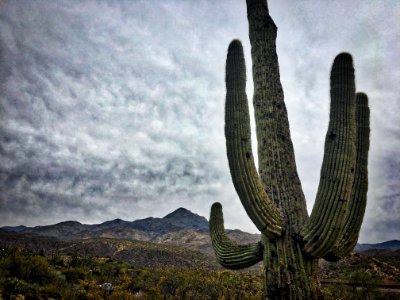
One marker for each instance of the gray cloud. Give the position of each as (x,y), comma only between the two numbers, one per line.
(106,111)
(115,109)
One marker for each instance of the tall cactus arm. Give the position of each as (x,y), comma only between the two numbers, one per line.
(327,218)
(261,210)
(231,255)
(358,198)
(277,166)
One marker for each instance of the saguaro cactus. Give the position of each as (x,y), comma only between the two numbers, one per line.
(291,241)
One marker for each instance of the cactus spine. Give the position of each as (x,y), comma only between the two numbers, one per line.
(291,241)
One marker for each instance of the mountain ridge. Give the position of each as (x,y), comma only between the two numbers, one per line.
(177,220)
(179,228)
(388,245)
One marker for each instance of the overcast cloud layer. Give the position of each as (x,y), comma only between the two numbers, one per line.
(114,109)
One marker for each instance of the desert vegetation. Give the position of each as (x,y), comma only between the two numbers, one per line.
(29,274)
(35,275)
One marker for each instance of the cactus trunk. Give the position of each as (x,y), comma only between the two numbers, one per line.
(292,242)
(288,272)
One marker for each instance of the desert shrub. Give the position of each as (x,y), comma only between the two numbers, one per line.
(13,285)
(363,284)
(27,267)
(358,285)
(72,275)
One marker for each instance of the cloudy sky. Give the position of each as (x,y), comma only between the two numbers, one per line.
(115,109)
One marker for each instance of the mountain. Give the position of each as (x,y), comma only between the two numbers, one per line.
(67,228)
(179,228)
(144,229)
(180,219)
(186,219)
(19,228)
(389,245)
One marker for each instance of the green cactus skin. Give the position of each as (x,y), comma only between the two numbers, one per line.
(337,172)
(256,202)
(230,254)
(358,197)
(291,241)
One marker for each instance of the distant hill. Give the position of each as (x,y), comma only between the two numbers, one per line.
(389,245)
(179,228)
(137,253)
(381,268)
(144,229)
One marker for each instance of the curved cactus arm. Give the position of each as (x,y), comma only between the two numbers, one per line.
(231,255)
(337,173)
(261,210)
(358,198)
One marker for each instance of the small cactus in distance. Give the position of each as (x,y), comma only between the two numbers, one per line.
(291,241)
